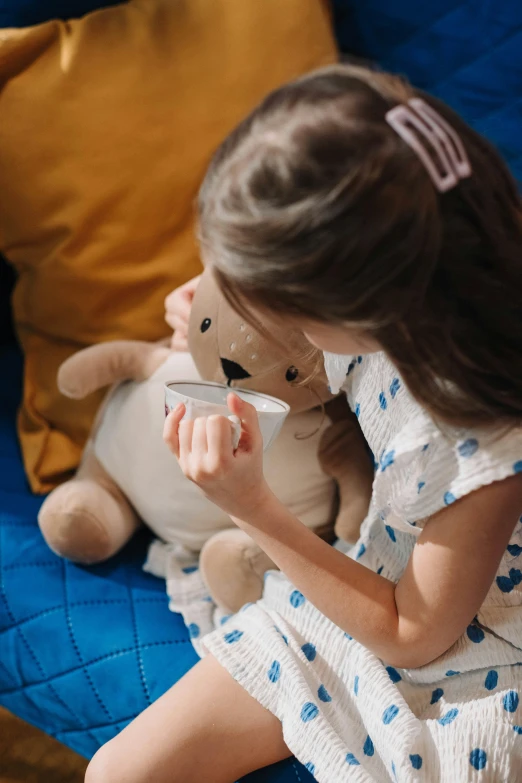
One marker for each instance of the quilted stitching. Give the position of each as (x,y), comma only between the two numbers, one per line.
(468,53)
(82,650)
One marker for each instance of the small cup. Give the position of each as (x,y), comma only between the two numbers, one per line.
(203,398)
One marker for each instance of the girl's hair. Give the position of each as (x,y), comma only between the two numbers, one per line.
(314,207)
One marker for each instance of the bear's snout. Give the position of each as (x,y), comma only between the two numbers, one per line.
(233,371)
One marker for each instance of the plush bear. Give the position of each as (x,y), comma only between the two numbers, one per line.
(319,465)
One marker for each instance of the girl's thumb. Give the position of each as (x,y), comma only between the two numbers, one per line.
(246,412)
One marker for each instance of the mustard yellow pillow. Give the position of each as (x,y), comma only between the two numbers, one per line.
(107,124)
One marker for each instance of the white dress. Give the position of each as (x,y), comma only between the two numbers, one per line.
(345,714)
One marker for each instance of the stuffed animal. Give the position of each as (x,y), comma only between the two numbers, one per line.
(319,465)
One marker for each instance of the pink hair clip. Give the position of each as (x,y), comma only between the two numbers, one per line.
(446,162)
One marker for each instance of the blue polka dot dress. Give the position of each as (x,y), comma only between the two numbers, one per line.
(347,715)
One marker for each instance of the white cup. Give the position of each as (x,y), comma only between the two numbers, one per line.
(203,398)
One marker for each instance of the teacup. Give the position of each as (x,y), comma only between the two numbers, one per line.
(203,398)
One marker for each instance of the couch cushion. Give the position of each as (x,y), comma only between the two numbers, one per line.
(129,103)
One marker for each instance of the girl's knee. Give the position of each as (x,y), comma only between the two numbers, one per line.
(103,767)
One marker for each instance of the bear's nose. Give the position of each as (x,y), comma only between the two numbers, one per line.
(233,371)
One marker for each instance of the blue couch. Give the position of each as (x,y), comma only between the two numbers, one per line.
(83,650)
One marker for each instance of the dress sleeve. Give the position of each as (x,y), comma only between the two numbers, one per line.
(425,469)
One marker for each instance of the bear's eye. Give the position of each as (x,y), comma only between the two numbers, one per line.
(291,374)
(205,325)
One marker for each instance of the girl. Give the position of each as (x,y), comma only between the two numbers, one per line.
(390,233)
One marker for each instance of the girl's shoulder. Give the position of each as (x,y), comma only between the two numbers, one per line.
(421,465)
(379,398)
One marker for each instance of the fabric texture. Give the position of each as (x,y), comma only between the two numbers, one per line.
(141,95)
(24,13)
(82,650)
(341,707)
(469,54)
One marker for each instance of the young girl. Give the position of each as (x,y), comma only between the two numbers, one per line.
(377,222)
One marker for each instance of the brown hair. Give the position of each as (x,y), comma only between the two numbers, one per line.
(314,207)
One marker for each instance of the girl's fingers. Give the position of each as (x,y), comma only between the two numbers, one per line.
(186,429)
(199,438)
(179,344)
(171,428)
(183,306)
(251,433)
(191,286)
(219,438)
(177,322)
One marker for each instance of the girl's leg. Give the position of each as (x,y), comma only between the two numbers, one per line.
(206,729)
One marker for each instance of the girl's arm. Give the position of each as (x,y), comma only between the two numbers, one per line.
(407,624)
(445,582)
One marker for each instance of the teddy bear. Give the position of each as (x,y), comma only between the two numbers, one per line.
(319,465)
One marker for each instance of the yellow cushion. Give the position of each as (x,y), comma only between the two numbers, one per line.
(107,124)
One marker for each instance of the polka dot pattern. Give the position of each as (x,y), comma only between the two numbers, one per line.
(393,674)
(193,630)
(387,460)
(389,714)
(475,634)
(382,545)
(309,651)
(449,717)
(437,695)
(309,711)
(478,759)
(323,694)
(274,672)
(416,761)
(511,701)
(297,599)
(394,387)
(468,448)
(233,636)
(507,583)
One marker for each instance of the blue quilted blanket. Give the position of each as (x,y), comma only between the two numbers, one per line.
(467,52)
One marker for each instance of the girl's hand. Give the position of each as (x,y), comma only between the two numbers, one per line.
(177,313)
(232,479)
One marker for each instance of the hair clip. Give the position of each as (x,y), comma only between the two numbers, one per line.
(449,164)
